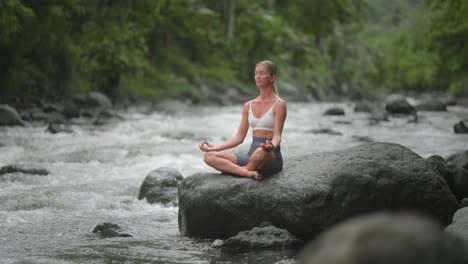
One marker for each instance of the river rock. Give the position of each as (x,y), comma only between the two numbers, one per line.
(461,127)
(315,191)
(24,168)
(334,111)
(378,115)
(92,99)
(9,116)
(160,186)
(108,230)
(364,106)
(431,105)
(55,128)
(383,238)
(399,105)
(459,224)
(456,177)
(459,159)
(264,237)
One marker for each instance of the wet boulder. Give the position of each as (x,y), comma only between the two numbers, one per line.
(92,99)
(9,116)
(459,224)
(456,177)
(315,191)
(108,230)
(431,105)
(364,106)
(263,237)
(461,127)
(24,168)
(459,159)
(55,128)
(384,238)
(160,186)
(334,111)
(399,105)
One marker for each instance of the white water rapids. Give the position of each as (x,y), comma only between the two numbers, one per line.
(96,173)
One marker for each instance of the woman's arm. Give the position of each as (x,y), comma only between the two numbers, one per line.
(281,112)
(237,139)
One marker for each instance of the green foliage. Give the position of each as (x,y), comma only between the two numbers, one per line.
(12,15)
(449,40)
(165,48)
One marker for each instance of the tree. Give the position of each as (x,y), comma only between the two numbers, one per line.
(449,39)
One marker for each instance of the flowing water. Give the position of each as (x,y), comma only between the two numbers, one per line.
(96,173)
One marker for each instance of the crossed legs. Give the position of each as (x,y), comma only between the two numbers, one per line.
(227,162)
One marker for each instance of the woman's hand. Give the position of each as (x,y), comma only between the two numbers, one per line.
(206,147)
(268,146)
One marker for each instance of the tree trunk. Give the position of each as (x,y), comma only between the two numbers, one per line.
(231,20)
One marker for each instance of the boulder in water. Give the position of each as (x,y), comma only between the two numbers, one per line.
(108,230)
(461,127)
(160,186)
(383,238)
(263,237)
(432,105)
(314,192)
(24,168)
(399,105)
(9,116)
(334,111)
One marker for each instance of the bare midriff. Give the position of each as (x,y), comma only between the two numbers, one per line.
(262,133)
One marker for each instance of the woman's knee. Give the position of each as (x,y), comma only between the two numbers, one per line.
(210,156)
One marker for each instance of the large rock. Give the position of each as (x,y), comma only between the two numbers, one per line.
(461,127)
(315,191)
(160,186)
(264,237)
(459,159)
(459,224)
(92,99)
(24,168)
(383,238)
(431,105)
(456,177)
(9,116)
(399,105)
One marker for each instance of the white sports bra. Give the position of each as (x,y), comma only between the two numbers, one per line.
(266,122)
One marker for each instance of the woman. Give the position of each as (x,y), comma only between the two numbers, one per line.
(266,115)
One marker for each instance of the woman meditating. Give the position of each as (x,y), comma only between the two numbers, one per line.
(265,115)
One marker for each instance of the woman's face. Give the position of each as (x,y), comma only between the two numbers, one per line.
(263,78)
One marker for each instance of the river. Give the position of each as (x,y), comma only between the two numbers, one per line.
(96,173)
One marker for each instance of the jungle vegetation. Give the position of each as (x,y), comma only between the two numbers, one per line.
(166,48)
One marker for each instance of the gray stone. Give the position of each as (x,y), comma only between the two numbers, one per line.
(459,224)
(461,127)
(384,238)
(160,186)
(24,168)
(432,105)
(456,178)
(266,237)
(108,230)
(399,105)
(364,106)
(459,159)
(9,116)
(334,111)
(314,192)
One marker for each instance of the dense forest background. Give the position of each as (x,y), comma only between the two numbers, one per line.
(53,49)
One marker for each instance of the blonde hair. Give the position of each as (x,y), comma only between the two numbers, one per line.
(273,70)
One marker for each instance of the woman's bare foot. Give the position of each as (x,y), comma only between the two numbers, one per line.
(255,174)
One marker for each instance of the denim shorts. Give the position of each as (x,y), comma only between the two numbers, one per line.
(276,164)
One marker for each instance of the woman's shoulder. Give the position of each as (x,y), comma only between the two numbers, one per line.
(280,101)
